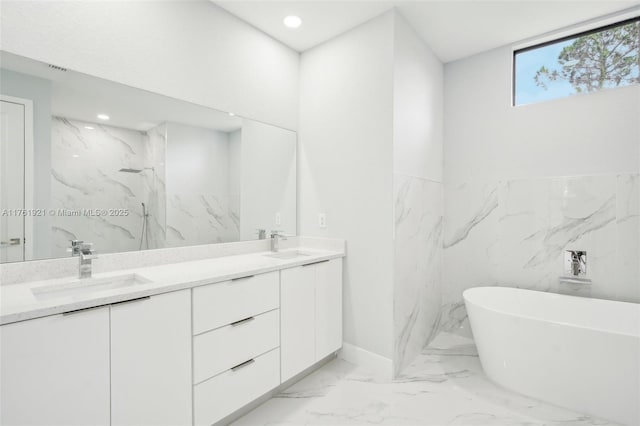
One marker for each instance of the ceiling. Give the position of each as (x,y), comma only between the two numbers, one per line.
(454,29)
(82,97)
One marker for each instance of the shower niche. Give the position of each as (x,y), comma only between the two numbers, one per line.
(128,169)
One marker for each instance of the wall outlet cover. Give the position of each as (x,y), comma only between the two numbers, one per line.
(322,220)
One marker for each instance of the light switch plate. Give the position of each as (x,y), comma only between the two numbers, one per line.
(278,219)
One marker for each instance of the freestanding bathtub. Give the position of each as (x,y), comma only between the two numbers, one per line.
(578,353)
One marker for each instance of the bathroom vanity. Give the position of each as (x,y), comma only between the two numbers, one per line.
(181,344)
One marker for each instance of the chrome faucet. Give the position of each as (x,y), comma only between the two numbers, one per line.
(75,247)
(84,251)
(275,239)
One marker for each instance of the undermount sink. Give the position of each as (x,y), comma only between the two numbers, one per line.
(81,287)
(288,254)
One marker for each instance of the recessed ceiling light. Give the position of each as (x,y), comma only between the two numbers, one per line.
(75,156)
(292,21)
(231,114)
(89,127)
(103,116)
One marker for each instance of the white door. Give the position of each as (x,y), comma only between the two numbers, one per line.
(12,157)
(151,361)
(297,320)
(328,307)
(55,370)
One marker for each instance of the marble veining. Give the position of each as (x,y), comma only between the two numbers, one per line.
(445,385)
(418,230)
(155,187)
(529,225)
(85,176)
(485,210)
(200,219)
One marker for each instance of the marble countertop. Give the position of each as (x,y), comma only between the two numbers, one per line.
(18,303)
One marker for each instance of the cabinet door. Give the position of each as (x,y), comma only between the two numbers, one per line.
(297,317)
(328,324)
(55,370)
(151,360)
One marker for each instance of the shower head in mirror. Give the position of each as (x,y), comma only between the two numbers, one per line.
(127,170)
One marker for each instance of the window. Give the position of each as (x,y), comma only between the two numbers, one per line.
(583,63)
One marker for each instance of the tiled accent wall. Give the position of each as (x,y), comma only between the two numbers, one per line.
(198,176)
(200,219)
(417,265)
(514,233)
(85,163)
(86,159)
(155,187)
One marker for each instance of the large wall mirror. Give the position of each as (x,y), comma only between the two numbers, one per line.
(82,158)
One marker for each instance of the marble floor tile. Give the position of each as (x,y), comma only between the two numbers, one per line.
(445,385)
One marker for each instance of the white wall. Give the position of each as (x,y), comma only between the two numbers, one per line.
(235,174)
(487,138)
(345,168)
(268,179)
(191,50)
(39,91)
(418,106)
(524,184)
(197,160)
(417,194)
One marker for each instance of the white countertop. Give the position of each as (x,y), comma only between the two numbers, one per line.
(18,303)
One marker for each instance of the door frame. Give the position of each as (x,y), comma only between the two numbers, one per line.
(29,202)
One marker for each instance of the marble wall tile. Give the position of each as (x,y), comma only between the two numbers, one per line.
(85,163)
(155,187)
(200,219)
(471,246)
(418,235)
(529,225)
(627,266)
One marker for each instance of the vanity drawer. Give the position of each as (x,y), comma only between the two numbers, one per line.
(220,304)
(218,350)
(225,393)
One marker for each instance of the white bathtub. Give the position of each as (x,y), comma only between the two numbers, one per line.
(578,353)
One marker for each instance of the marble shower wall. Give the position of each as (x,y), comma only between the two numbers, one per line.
(199,207)
(514,233)
(155,187)
(85,166)
(417,265)
(200,219)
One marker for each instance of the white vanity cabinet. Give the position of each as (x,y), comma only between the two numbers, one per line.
(187,357)
(236,355)
(55,370)
(311,314)
(151,360)
(328,308)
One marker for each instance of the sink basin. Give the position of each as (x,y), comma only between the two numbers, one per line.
(287,254)
(81,287)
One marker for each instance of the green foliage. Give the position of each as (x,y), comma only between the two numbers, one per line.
(607,58)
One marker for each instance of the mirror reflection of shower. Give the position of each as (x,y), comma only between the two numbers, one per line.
(145,229)
(144,233)
(127,170)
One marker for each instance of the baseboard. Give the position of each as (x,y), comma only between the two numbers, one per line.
(378,364)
